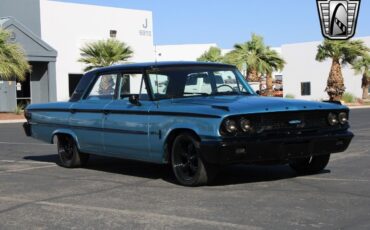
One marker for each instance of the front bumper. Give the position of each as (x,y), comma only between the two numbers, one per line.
(250,150)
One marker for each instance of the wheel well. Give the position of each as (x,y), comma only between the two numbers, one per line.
(171,137)
(57,135)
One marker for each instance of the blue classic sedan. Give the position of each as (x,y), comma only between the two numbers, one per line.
(194,116)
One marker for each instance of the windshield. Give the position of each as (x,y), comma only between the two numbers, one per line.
(197,81)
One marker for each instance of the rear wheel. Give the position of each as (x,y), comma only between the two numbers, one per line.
(187,164)
(310,165)
(69,155)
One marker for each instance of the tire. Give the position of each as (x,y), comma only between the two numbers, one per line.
(69,155)
(310,165)
(186,162)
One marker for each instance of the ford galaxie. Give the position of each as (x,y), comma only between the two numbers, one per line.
(193,116)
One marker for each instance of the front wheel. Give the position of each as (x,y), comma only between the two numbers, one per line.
(310,165)
(69,155)
(187,164)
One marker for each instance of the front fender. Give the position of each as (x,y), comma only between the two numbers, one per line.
(188,126)
(65,132)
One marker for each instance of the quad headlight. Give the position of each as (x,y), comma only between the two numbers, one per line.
(335,119)
(234,126)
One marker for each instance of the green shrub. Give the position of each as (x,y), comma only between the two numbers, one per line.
(291,96)
(348,97)
(19,109)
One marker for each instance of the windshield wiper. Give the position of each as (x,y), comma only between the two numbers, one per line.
(190,93)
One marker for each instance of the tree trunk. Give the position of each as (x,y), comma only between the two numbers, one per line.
(253,76)
(335,85)
(269,89)
(365,85)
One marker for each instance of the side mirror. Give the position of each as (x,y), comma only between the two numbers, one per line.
(258,92)
(134,99)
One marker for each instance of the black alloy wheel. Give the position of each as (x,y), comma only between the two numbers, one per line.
(186,162)
(69,155)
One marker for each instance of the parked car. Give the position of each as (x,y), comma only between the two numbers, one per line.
(151,112)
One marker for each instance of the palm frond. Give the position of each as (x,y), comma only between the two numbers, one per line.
(104,53)
(213,54)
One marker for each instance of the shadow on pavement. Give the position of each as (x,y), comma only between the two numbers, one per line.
(230,175)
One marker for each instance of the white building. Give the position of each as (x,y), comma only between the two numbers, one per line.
(302,67)
(68,26)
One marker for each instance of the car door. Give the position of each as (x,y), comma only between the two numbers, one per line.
(126,124)
(87,115)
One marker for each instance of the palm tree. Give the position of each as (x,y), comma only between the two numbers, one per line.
(104,53)
(13,62)
(271,62)
(251,53)
(213,54)
(342,53)
(362,66)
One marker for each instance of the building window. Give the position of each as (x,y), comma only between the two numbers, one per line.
(113,33)
(305,88)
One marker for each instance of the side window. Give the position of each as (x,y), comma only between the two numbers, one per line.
(132,84)
(159,83)
(198,83)
(104,88)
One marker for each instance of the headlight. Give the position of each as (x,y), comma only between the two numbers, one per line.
(333,119)
(245,125)
(230,126)
(343,118)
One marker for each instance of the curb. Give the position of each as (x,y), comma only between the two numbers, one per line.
(12,121)
(360,107)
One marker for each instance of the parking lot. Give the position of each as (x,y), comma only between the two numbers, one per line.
(117,194)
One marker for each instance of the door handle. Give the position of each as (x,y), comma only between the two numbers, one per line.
(106,112)
(73,111)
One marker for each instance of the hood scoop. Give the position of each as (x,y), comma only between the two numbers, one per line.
(221,107)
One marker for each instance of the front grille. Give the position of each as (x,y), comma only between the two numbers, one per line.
(285,123)
(290,120)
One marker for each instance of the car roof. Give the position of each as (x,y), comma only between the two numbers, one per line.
(147,65)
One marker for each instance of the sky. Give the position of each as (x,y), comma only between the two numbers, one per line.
(228,22)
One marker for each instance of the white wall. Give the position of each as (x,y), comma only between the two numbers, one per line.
(302,67)
(67,26)
(185,52)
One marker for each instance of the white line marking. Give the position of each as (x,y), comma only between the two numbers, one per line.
(15,143)
(142,216)
(26,169)
(27,162)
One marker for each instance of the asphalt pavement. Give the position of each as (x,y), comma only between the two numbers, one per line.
(36,193)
